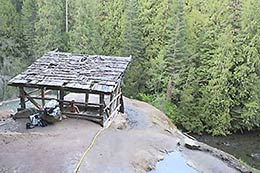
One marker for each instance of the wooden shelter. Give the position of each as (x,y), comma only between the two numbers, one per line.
(75,73)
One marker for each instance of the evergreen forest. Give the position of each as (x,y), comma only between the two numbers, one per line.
(196,60)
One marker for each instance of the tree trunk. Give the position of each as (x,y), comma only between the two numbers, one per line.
(169,89)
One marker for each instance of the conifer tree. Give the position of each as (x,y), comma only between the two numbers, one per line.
(84,36)
(50,27)
(245,78)
(132,44)
(11,54)
(110,17)
(29,18)
(176,49)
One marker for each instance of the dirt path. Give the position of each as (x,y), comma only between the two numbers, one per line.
(132,144)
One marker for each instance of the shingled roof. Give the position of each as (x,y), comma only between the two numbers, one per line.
(74,71)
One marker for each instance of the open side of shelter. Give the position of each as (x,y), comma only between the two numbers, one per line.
(75,73)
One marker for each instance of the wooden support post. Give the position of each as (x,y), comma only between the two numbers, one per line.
(101,102)
(33,101)
(117,92)
(86,100)
(62,94)
(111,105)
(43,96)
(122,107)
(22,98)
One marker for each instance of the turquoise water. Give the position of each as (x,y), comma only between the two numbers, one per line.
(14,104)
(173,163)
(11,105)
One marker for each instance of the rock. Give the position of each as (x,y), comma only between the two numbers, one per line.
(4,114)
(160,157)
(191,144)
(120,122)
(146,160)
(25,113)
(255,155)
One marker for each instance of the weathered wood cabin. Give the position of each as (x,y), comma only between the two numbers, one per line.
(75,73)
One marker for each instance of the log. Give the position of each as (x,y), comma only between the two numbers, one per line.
(62,94)
(33,101)
(22,97)
(43,95)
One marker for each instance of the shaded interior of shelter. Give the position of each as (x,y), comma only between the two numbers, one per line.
(93,81)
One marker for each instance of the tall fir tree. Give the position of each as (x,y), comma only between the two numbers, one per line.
(50,27)
(132,45)
(110,18)
(84,35)
(11,54)
(28,19)
(245,78)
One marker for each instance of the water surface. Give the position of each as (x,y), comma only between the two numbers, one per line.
(245,147)
(173,163)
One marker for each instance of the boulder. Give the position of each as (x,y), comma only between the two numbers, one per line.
(4,114)
(25,113)
(191,144)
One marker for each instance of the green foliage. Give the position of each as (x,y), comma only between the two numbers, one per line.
(50,27)
(196,60)
(84,36)
(11,54)
(161,102)
(28,20)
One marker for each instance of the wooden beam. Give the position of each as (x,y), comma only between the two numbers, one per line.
(110,119)
(76,90)
(101,102)
(22,97)
(86,97)
(86,100)
(112,101)
(98,119)
(33,101)
(110,104)
(43,96)
(122,107)
(33,91)
(82,115)
(62,94)
(67,101)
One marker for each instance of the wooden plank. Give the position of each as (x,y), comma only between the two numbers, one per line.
(55,69)
(68,101)
(82,115)
(97,119)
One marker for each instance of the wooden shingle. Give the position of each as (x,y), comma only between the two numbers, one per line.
(74,71)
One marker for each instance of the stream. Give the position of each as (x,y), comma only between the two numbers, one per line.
(245,147)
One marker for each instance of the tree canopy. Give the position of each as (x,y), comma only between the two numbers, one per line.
(196,60)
